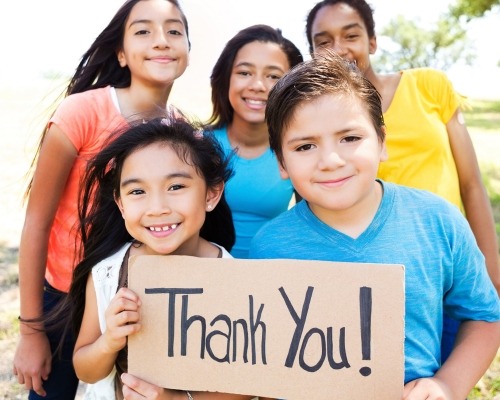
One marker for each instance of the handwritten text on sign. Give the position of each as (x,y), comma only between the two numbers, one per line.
(275,328)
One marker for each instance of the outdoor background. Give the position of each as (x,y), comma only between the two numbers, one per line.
(42,42)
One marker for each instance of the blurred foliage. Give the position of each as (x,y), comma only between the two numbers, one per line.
(483,115)
(410,45)
(472,8)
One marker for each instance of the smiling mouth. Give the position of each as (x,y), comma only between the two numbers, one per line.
(256,102)
(161,59)
(164,228)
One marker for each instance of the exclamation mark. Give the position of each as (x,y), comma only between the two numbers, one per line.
(365,314)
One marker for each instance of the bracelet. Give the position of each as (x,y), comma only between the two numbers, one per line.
(189,395)
(25,321)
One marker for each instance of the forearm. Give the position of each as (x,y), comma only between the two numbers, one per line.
(32,264)
(480,217)
(476,345)
(94,361)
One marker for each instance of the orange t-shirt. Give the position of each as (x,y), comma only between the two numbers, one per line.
(88,119)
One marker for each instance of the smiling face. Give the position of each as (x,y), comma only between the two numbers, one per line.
(155,43)
(163,201)
(331,153)
(256,69)
(340,28)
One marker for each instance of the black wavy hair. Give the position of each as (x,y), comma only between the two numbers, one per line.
(99,66)
(101,225)
(222,111)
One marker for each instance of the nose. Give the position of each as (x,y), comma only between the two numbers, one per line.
(339,48)
(257,84)
(161,39)
(158,205)
(330,159)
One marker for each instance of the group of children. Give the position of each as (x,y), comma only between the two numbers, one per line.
(155,183)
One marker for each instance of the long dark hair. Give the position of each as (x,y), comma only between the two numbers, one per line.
(102,227)
(99,66)
(222,111)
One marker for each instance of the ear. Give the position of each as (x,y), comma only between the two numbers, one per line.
(120,55)
(383,149)
(213,196)
(118,202)
(283,171)
(372,45)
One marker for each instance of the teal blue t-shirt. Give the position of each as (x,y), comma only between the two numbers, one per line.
(256,193)
(444,268)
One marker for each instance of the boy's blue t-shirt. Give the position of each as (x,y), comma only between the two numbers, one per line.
(256,193)
(444,268)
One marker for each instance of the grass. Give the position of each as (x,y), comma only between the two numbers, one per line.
(484,117)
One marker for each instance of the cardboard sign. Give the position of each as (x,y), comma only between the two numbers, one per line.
(285,329)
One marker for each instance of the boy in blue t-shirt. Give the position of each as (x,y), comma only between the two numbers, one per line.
(327,130)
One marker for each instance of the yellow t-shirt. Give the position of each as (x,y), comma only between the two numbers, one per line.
(419,152)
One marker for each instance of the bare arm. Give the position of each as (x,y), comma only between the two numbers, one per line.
(57,154)
(476,346)
(95,352)
(474,197)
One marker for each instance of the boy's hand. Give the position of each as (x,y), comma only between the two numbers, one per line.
(122,319)
(426,388)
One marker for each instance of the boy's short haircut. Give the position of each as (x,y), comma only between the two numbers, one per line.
(326,73)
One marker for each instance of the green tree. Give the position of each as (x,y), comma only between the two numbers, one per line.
(409,45)
(472,9)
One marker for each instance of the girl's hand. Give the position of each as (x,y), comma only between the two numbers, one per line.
(32,361)
(122,319)
(135,388)
(426,388)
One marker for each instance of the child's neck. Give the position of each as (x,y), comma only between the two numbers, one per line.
(140,103)
(355,220)
(252,140)
(203,248)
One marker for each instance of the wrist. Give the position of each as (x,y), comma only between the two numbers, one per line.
(29,326)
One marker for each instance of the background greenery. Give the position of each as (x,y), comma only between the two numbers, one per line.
(484,118)
(440,45)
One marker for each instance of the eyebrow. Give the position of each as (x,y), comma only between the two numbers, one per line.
(183,175)
(300,139)
(312,137)
(148,21)
(250,65)
(344,28)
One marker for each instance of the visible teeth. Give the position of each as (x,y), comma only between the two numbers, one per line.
(260,102)
(162,229)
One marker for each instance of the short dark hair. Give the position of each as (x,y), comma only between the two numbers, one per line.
(325,73)
(364,10)
(222,111)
